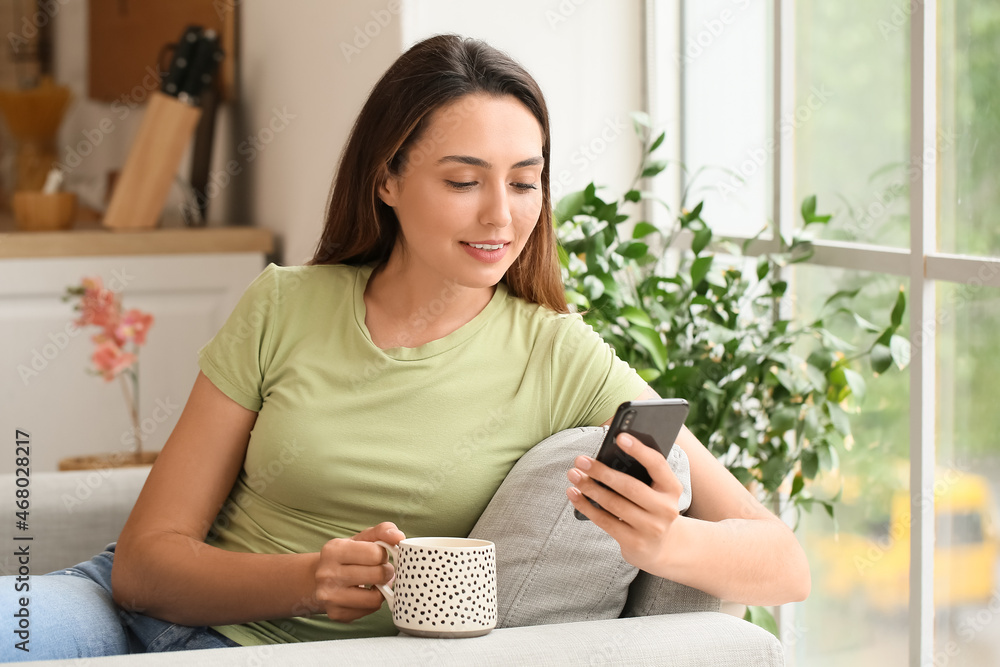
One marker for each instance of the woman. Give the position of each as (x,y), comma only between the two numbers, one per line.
(388,387)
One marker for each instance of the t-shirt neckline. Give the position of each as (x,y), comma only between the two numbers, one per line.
(435,347)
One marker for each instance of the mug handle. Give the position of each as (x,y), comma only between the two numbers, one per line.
(393,552)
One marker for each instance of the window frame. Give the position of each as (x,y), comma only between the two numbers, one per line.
(921,262)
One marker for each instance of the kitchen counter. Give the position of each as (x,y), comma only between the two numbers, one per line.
(91,239)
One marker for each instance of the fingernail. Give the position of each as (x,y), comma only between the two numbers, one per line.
(625,441)
(574,475)
(574,493)
(583,463)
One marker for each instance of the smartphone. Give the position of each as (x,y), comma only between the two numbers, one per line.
(655,423)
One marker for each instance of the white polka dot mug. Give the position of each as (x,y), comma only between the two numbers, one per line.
(445,586)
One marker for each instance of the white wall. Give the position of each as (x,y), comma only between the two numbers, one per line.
(318,60)
(585,54)
(313,63)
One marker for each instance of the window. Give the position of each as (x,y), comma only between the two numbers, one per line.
(888,111)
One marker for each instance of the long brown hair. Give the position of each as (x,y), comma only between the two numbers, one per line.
(360,228)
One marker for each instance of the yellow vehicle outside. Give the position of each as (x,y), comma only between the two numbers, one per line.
(877,566)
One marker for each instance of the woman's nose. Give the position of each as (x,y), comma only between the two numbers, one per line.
(496,207)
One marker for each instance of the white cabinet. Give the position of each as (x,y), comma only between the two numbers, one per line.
(44,386)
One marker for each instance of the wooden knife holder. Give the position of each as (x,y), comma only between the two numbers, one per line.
(145,180)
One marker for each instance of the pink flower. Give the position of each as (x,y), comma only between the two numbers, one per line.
(133,326)
(111,360)
(99,306)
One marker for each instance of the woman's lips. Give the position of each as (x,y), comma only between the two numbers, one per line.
(487,256)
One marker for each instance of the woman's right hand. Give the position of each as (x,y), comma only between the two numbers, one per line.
(347,566)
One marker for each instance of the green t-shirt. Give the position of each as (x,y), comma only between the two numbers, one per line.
(349,435)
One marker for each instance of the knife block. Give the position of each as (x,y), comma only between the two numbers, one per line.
(149,171)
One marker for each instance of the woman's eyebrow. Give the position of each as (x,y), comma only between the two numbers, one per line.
(479,162)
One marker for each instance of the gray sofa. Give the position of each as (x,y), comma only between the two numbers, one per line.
(565,595)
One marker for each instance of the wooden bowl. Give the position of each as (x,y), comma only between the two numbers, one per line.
(37,211)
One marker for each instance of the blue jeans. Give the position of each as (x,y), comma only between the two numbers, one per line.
(70,614)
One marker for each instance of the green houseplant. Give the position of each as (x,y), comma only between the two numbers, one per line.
(770,396)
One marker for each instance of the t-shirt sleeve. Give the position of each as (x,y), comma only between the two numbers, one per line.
(236,358)
(589,381)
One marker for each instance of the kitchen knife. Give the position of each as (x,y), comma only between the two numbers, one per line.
(201,71)
(181,61)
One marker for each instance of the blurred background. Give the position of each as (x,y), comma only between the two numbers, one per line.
(769,101)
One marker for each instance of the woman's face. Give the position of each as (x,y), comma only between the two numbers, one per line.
(470,191)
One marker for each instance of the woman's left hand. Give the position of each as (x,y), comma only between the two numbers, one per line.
(637,516)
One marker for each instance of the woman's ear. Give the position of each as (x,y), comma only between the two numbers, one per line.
(388,189)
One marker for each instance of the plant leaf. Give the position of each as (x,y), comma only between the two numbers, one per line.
(649,339)
(810,464)
(658,141)
(865,324)
(856,383)
(594,287)
(899,308)
(637,316)
(701,239)
(809,208)
(821,359)
(640,119)
(762,618)
(809,211)
(700,268)
(881,358)
(763,268)
(692,214)
(633,249)
(633,195)
(653,168)
(574,297)
(569,206)
(643,229)
(784,419)
(798,483)
(841,294)
(899,348)
(839,419)
(649,374)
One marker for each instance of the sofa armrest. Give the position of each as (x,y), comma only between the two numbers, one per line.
(72,515)
(702,639)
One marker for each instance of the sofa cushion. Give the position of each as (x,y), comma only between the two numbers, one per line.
(551,567)
(74,515)
(650,595)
